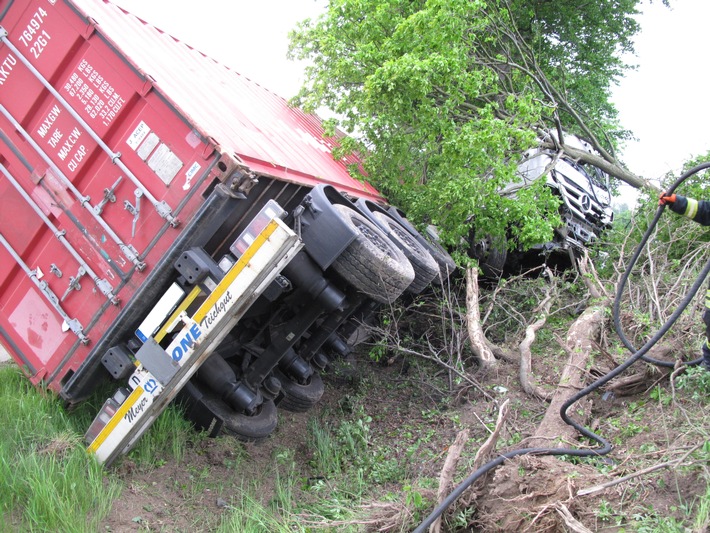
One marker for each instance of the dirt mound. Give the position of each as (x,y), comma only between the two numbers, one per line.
(533,494)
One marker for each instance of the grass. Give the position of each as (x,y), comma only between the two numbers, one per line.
(47,480)
(326,451)
(49,483)
(167,437)
(249,515)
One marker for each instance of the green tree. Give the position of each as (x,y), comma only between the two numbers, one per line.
(445,95)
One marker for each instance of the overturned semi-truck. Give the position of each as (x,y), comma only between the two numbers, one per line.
(175,227)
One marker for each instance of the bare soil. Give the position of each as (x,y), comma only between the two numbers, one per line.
(407,404)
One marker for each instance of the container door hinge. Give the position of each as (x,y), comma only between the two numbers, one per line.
(148,84)
(105,287)
(132,254)
(165,212)
(211,146)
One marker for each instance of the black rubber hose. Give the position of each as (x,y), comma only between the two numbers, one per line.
(632,263)
(638,354)
(603,450)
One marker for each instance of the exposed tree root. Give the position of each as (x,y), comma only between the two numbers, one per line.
(490,444)
(447,473)
(570,521)
(646,376)
(534,494)
(578,346)
(581,338)
(543,311)
(479,345)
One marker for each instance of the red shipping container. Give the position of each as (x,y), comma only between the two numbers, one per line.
(112,135)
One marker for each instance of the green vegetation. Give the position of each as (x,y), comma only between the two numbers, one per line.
(446,95)
(47,480)
(373,452)
(358,465)
(249,515)
(696,382)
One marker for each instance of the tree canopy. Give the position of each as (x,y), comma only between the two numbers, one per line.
(443,97)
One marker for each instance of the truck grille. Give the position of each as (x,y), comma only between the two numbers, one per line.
(585,217)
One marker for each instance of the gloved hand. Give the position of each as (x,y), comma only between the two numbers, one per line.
(666,199)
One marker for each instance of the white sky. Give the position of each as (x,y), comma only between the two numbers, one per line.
(249,36)
(664,102)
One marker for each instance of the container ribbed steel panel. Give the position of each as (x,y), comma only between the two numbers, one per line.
(243,117)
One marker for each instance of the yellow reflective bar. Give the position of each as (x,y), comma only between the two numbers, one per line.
(224,282)
(115,419)
(692,209)
(194,293)
(216,294)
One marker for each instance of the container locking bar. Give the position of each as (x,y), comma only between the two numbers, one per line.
(43,286)
(128,250)
(109,196)
(103,285)
(162,208)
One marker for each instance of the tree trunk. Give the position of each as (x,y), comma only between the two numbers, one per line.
(525,371)
(479,345)
(446,477)
(552,431)
(612,168)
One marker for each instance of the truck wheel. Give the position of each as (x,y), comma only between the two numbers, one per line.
(247,428)
(371,263)
(491,255)
(446,263)
(299,398)
(425,268)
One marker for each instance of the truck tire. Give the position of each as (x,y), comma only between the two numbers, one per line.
(246,428)
(446,263)
(430,241)
(299,398)
(491,255)
(424,265)
(372,263)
